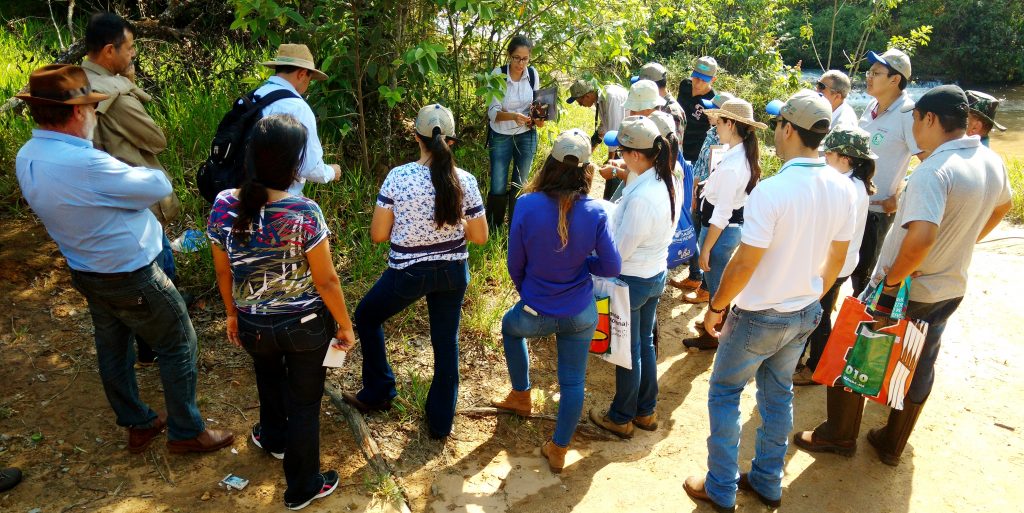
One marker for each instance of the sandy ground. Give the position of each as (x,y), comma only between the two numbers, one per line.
(966,454)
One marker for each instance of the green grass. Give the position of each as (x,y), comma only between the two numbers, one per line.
(1015,168)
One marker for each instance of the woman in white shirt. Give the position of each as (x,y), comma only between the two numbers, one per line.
(848,151)
(722,200)
(512,134)
(643,225)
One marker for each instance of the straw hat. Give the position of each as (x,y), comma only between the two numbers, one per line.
(60,84)
(737,110)
(298,56)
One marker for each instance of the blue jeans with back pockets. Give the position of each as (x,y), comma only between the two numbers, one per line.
(636,389)
(765,345)
(573,336)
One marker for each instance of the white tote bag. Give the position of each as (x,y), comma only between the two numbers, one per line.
(611,340)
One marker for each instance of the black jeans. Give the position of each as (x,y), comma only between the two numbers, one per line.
(820,334)
(875,229)
(287,355)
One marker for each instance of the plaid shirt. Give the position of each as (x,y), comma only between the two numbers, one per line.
(701,168)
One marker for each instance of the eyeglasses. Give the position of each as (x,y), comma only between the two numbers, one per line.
(774,122)
(873,74)
(520,60)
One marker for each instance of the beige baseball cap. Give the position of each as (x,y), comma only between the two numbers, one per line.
(635,132)
(893,58)
(298,56)
(643,95)
(572,142)
(435,115)
(665,122)
(653,71)
(803,109)
(705,68)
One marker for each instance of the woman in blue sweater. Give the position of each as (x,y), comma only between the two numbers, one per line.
(551,271)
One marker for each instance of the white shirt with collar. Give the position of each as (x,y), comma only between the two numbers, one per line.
(794,216)
(853,252)
(892,139)
(726,188)
(518,97)
(643,224)
(313,167)
(844,116)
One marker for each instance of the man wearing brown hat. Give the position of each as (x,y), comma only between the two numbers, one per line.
(952,200)
(772,285)
(294,69)
(96,208)
(982,117)
(124,128)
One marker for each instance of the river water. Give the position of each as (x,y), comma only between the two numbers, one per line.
(1009,114)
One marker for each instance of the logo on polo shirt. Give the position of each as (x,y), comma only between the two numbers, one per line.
(877,138)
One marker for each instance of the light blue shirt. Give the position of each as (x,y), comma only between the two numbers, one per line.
(94,206)
(313,166)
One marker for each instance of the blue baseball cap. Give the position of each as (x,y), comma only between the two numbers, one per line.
(774,107)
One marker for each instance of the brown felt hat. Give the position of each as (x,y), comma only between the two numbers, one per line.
(60,84)
(298,56)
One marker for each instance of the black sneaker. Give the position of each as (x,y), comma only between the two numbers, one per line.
(255,436)
(330,479)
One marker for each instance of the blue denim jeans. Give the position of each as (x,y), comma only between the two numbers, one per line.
(876,227)
(517,150)
(165,260)
(444,285)
(636,389)
(143,302)
(573,336)
(287,357)
(722,251)
(936,315)
(765,345)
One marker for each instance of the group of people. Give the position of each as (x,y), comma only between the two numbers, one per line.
(773,253)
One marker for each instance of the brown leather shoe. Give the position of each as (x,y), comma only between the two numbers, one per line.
(694,487)
(619,430)
(555,455)
(140,438)
(702,342)
(647,422)
(803,377)
(686,284)
(697,297)
(744,485)
(811,442)
(364,408)
(208,441)
(518,402)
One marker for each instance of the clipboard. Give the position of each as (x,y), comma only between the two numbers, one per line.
(545,104)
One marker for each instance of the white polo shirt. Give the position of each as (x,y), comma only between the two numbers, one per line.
(892,139)
(795,215)
(853,253)
(518,97)
(609,108)
(844,116)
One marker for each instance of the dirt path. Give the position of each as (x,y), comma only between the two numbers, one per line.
(967,453)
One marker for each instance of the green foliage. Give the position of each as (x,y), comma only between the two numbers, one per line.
(1015,168)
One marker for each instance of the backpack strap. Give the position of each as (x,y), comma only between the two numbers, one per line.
(271,97)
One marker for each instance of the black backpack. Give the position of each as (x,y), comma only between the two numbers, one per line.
(225,167)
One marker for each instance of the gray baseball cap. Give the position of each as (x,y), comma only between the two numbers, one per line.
(705,68)
(653,71)
(635,132)
(803,109)
(893,58)
(572,142)
(435,115)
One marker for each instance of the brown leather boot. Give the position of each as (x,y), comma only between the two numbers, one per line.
(838,434)
(208,441)
(619,430)
(140,438)
(555,455)
(694,487)
(516,402)
(890,440)
(647,422)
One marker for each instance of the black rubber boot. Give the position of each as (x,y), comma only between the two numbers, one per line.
(513,196)
(890,440)
(838,434)
(496,204)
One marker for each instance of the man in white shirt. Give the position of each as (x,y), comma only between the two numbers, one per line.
(953,200)
(892,139)
(835,86)
(797,226)
(608,101)
(293,71)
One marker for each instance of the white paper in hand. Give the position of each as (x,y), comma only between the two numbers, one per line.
(335,357)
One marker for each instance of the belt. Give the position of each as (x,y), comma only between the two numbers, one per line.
(113,276)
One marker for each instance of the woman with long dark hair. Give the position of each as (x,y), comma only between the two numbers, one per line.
(512,132)
(283,300)
(429,210)
(644,222)
(847,150)
(551,242)
(722,199)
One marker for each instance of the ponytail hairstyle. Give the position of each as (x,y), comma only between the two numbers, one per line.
(566,182)
(660,153)
(276,150)
(752,148)
(864,170)
(448,192)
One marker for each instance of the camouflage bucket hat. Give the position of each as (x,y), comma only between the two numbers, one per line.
(849,141)
(984,105)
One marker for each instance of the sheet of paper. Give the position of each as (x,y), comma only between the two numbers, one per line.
(335,357)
